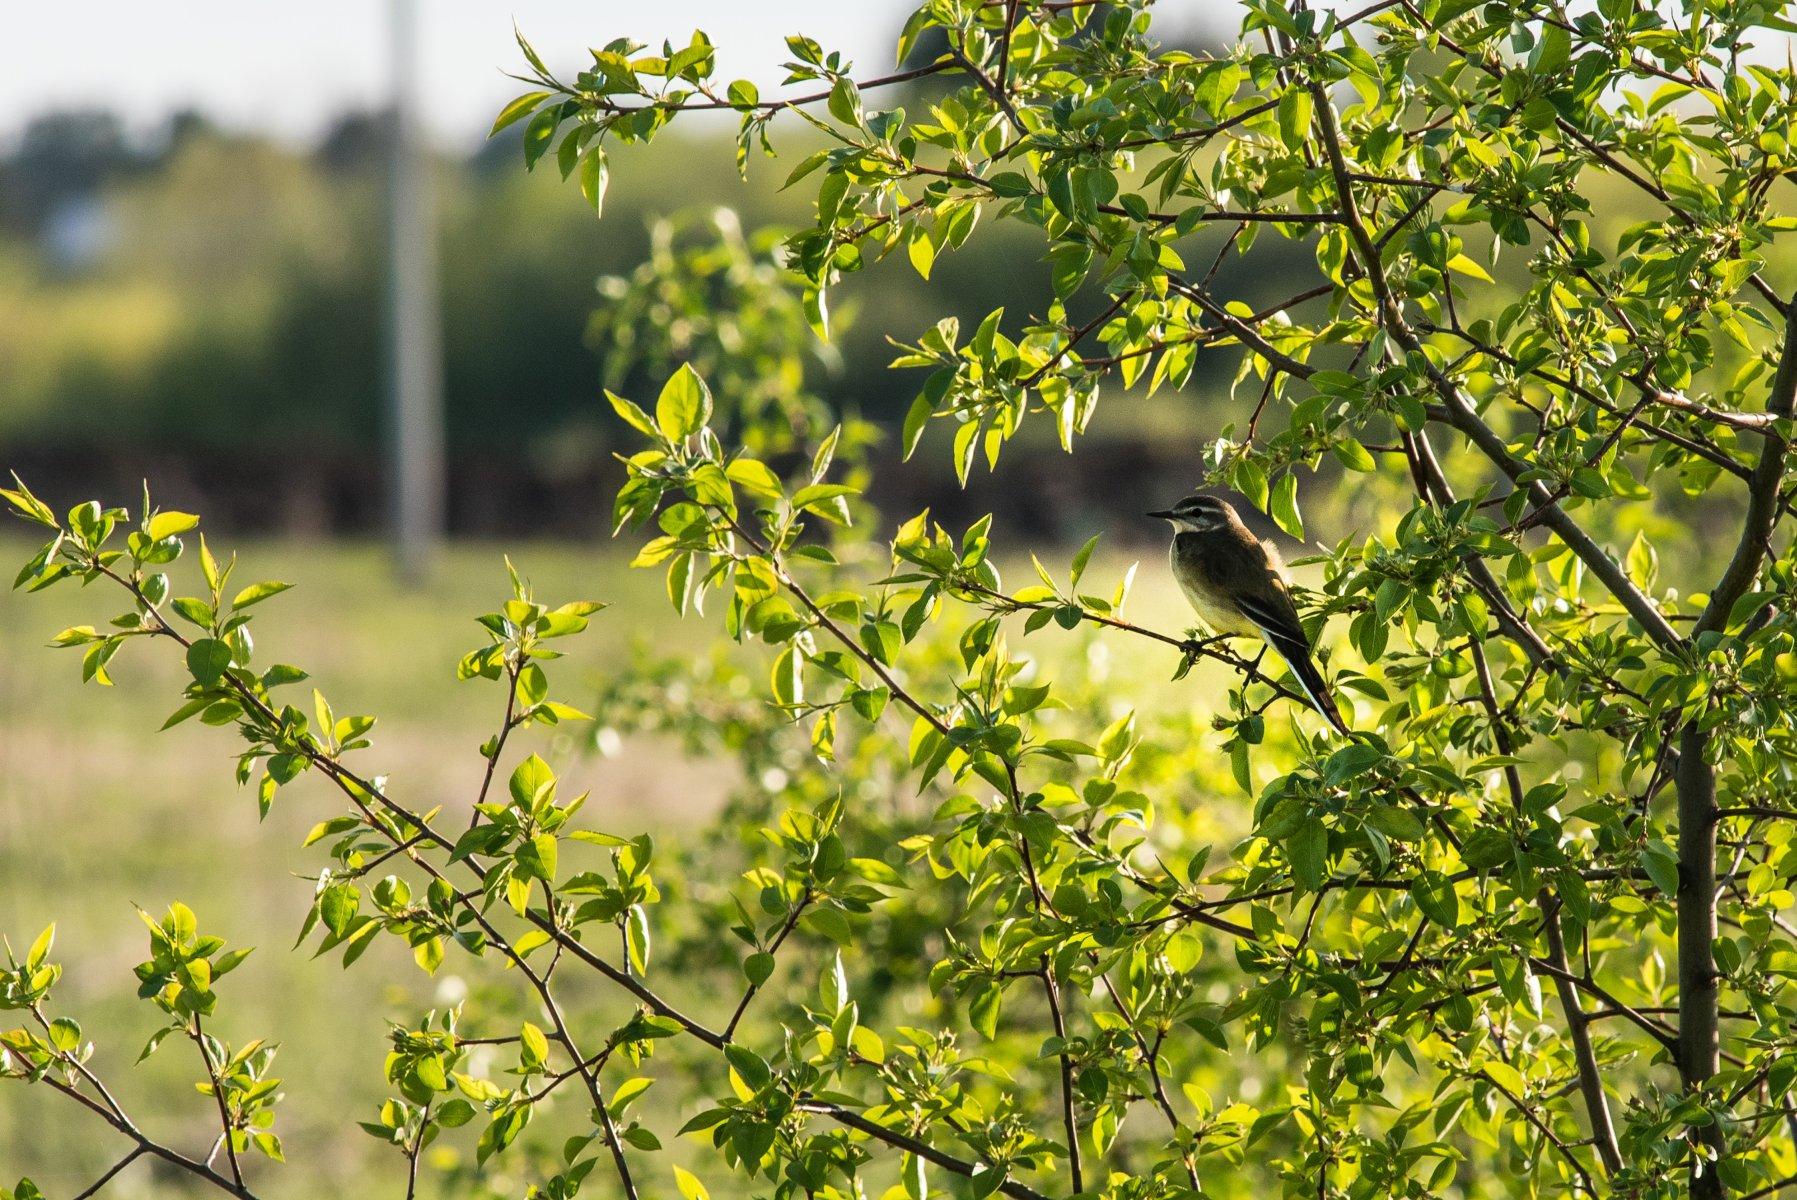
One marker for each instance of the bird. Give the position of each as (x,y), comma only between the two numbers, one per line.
(1236,584)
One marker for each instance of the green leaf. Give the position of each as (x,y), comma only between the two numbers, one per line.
(40,948)
(207,660)
(453,1114)
(1507,1077)
(633,415)
(1353,455)
(258,592)
(1660,862)
(540,853)
(533,1045)
(830,922)
(539,134)
(626,1092)
(531,779)
(983,1009)
(155,1041)
(170,524)
(1308,850)
(1294,116)
(189,608)
(689,1185)
(1184,950)
(1552,51)
(817,312)
(921,251)
(65,1034)
(1435,895)
(1082,558)
(594,175)
(749,1066)
(845,101)
(916,417)
(1284,509)
(230,961)
(517,110)
(815,494)
(789,677)
(684,405)
(533,686)
(29,506)
(335,825)
(754,476)
(337,907)
(428,954)
(1399,824)
(1642,562)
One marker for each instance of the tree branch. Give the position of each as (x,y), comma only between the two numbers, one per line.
(1699,997)
(1460,413)
(911,1145)
(215,1073)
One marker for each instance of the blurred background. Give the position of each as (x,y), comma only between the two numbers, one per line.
(195,266)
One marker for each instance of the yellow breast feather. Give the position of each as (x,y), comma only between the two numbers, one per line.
(1214,607)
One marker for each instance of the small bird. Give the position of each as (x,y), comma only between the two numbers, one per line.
(1236,583)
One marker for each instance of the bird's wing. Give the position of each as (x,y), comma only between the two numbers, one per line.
(1273,613)
(1275,562)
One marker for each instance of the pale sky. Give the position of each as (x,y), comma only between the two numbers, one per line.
(287,68)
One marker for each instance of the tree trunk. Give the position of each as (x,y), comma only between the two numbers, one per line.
(1698,1043)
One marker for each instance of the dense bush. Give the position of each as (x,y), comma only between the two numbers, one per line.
(1521,930)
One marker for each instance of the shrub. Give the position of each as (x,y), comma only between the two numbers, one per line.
(1521,930)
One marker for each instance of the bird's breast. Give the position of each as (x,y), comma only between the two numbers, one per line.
(1209,600)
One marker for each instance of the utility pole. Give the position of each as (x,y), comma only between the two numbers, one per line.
(416,474)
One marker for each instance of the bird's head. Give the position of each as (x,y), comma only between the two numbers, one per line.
(1199,514)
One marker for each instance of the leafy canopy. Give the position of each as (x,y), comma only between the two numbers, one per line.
(1523,932)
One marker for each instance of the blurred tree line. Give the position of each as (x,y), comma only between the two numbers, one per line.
(205,306)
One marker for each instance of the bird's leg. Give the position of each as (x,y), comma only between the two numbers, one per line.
(1254,667)
(1190,650)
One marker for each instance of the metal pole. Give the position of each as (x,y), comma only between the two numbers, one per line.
(414,339)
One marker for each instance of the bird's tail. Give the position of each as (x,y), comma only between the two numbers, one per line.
(1296,656)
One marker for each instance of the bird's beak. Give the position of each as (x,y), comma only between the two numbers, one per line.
(1165,514)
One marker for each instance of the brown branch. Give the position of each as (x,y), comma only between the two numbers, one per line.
(125,1126)
(1460,413)
(911,1145)
(1578,1022)
(1654,1029)
(742,1006)
(1432,479)
(1699,996)
(214,1071)
(415,1150)
(1558,1143)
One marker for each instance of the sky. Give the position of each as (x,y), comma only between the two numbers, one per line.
(287,68)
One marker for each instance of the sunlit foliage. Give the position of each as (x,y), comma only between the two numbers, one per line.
(979,919)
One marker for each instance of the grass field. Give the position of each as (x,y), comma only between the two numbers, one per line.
(100,811)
